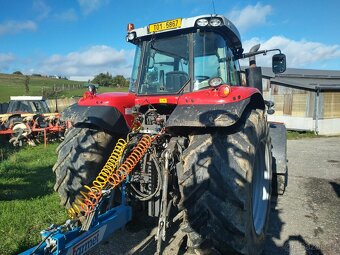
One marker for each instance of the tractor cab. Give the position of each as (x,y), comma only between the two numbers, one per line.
(181,55)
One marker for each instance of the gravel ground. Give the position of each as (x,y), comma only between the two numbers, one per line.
(305,220)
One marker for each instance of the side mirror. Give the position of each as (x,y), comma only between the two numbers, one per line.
(279,63)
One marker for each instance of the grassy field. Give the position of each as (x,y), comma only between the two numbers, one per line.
(27,200)
(14,85)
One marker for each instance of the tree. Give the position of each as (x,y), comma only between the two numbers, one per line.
(107,80)
(103,79)
(120,81)
(17,72)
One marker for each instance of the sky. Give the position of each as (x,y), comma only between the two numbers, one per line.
(86,37)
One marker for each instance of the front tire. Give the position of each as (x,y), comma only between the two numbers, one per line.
(225,187)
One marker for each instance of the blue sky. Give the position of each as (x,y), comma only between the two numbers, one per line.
(85,37)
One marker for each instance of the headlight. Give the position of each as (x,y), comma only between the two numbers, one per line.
(215,22)
(131,36)
(214,82)
(202,22)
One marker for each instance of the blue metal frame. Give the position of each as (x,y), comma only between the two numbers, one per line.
(77,242)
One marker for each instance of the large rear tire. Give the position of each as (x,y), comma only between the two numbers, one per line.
(80,158)
(226,186)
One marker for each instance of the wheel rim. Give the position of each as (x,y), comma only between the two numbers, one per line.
(261,185)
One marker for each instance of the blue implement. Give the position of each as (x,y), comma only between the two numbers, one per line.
(74,241)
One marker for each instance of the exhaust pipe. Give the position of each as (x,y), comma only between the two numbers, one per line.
(254,73)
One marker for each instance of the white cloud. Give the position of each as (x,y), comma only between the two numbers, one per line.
(96,59)
(42,8)
(250,16)
(13,26)
(300,54)
(89,6)
(5,60)
(68,15)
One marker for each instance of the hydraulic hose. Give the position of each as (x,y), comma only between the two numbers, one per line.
(110,177)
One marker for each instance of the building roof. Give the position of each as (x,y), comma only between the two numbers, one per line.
(308,79)
(303,73)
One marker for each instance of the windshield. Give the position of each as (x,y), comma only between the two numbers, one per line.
(166,68)
(166,65)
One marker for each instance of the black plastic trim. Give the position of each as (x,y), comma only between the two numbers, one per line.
(207,115)
(104,117)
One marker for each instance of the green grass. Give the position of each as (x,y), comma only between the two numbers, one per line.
(27,200)
(293,135)
(14,85)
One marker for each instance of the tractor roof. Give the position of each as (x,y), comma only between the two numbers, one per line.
(226,27)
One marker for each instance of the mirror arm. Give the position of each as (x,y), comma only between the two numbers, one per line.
(264,52)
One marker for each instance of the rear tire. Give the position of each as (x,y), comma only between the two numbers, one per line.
(80,158)
(225,178)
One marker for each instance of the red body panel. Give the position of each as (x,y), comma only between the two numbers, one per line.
(157,99)
(213,96)
(205,96)
(123,101)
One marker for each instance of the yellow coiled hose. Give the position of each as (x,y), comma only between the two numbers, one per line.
(109,177)
(98,184)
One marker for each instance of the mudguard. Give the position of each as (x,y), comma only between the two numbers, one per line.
(108,111)
(211,108)
(277,132)
(105,117)
(207,115)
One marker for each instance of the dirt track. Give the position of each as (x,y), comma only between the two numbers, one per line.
(306,220)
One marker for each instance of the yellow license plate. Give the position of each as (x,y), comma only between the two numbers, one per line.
(165,25)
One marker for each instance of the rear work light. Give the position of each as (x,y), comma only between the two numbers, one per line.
(202,22)
(131,36)
(216,81)
(214,22)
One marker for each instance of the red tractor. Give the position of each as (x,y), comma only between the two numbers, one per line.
(198,146)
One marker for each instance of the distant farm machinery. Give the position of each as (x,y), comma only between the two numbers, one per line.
(28,119)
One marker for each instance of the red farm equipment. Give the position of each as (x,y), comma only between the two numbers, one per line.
(187,143)
(28,119)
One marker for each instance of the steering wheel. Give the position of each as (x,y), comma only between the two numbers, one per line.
(201,78)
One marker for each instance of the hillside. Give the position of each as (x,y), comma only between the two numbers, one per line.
(14,85)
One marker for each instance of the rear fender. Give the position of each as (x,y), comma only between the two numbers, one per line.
(204,109)
(277,133)
(108,111)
